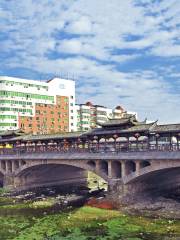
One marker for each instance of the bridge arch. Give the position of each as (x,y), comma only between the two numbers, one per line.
(75,168)
(149,168)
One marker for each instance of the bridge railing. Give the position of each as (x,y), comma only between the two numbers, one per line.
(108,148)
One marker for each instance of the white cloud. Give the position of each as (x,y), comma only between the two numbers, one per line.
(167,50)
(80,26)
(96,32)
(70,46)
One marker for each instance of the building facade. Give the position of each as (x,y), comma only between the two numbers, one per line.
(119,112)
(37,107)
(89,115)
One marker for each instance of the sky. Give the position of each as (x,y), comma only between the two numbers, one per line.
(120,52)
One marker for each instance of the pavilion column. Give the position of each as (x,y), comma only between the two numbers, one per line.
(88,145)
(128,144)
(170,141)
(115,136)
(72,146)
(98,144)
(157,136)
(137,135)
(105,144)
(148,142)
(178,142)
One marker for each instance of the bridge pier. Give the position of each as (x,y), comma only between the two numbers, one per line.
(110,173)
(8,181)
(121,193)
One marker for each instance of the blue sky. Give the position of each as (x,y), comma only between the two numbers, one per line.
(121,52)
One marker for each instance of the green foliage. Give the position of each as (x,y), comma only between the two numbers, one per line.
(76,234)
(3,191)
(31,221)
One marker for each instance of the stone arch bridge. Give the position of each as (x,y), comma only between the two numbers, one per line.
(131,156)
(126,173)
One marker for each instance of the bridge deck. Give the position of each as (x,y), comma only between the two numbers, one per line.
(153,155)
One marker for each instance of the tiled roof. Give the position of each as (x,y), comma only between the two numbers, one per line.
(138,128)
(53,136)
(120,121)
(30,137)
(167,128)
(11,132)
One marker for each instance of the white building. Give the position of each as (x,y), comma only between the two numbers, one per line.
(21,100)
(120,112)
(89,115)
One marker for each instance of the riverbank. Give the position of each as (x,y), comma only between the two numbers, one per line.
(49,219)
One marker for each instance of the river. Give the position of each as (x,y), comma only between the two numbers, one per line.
(57,216)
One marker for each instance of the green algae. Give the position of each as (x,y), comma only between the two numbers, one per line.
(33,221)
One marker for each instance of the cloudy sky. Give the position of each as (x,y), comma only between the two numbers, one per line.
(121,52)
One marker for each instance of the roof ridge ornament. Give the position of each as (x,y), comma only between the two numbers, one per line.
(154,124)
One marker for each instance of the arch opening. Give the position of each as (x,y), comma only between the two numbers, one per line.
(116,169)
(104,167)
(45,175)
(92,164)
(159,183)
(130,167)
(57,174)
(144,164)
